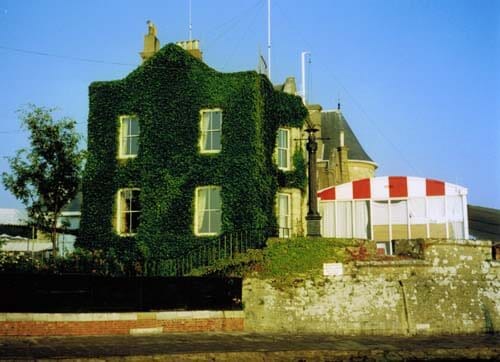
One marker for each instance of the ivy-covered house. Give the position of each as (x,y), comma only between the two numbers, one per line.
(179,153)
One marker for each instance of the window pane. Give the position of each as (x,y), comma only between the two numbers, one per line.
(205,222)
(282,158)
(214,198)
(215,221)
(205,121)
(216,120)
(134,127)
(133,145)
(135,202)
(216,143)
(283,138)
(134,222)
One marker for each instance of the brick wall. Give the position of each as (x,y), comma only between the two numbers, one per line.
(59,324)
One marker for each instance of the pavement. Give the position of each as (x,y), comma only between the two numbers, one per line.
(250,347)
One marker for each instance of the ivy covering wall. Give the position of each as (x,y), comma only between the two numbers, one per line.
(167,93)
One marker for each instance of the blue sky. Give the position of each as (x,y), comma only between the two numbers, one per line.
(419,81)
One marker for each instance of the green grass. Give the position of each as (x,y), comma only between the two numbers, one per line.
(284,258)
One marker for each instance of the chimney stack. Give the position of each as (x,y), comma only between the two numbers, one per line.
(151,42)
(192,47)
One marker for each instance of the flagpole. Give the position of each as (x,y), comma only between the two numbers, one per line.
(269,39)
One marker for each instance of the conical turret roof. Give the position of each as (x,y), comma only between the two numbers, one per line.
(332,122)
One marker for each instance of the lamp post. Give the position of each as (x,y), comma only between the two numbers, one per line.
(313,218)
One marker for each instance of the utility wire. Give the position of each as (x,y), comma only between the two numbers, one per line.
(346,91)
(228,26)
(88,60)
(243,37)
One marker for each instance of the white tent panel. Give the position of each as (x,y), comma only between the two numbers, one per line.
(380,189)
(344,192)
(453,190)
(416,187)
(328,211)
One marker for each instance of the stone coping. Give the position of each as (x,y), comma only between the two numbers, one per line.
(391,263)
(461,242)
(127,316)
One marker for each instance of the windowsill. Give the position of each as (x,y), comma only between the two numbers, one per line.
(209,152)
(126,157)
(126,235)
(207,234)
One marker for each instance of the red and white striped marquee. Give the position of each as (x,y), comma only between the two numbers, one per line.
(388,187)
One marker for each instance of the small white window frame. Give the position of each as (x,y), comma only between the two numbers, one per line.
(119,210)
(287,149)
(121,136)
(284,231)
(200,141)
(196,212)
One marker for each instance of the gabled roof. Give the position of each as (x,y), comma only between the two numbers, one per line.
(331,124)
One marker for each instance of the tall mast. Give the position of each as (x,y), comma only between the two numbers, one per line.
(190,23)
(269,39)
(303,74)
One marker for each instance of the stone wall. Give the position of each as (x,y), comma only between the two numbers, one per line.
(453,289)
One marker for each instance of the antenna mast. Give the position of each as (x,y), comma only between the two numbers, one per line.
(303,69)
(190,23)
(269,39)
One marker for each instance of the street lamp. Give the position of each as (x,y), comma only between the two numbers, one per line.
(313,218)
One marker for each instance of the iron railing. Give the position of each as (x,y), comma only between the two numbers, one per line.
(227,246)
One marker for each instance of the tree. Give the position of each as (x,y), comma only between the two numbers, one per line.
(46,177)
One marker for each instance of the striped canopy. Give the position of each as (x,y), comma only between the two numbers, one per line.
(388,187)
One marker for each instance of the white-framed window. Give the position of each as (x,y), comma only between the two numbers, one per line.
(283,149)
(208,204)
(129,137)
(210,130)
(128,211)
(284,215)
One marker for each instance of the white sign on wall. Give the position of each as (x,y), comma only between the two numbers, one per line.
(333,269)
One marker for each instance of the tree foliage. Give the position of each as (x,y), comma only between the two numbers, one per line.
(46,176)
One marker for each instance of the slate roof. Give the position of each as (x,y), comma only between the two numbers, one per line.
(484,223)
(331,124)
